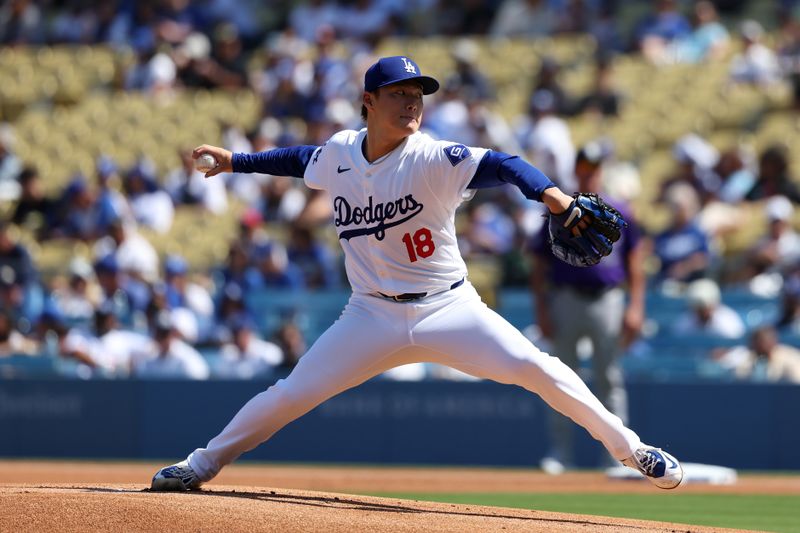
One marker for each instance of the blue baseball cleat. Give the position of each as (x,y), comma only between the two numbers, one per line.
(662,469)
(177,477)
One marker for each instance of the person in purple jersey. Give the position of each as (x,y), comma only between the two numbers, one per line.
(575,303)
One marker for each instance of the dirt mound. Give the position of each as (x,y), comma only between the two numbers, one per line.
(90,508)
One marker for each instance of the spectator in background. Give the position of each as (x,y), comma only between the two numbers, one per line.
(287,101)
(231,306)
(467,75)
(237,268)
(247,17)
(21,22)
(363,20)
(182,293)
(247,356)
(333,69)
(153,72)
(789,319)
(453,17)
(683,249)
(779,249)
(708,41)
(77,299)
(12,341)
(48,332)
(108,347)
(103,29)
(307,18)
(252,235)
(184,321)
(10,165)
(695,158)
(524,18)
(764,360)
(756,64)
(193,51)
(707,315)
(134,24)
(605,30)
(33,209)
(275,268)
(789,57)
(576,16)
(317,262)
(73,24)
(169,357)
(489,231)
(289,339)
(735,175)
(113,204)
(127,295)
(151,206)
(449,118)
(19,279)
(80,214)
(574,303)
(175,20)
(188,186)
(773,176)
(603,99)
(658,30)
(550,141)
(226,68)
(489,128)
(546,79)
(134,254)
(281,200)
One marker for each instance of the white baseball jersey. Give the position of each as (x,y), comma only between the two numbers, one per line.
(395,221)
(395,216)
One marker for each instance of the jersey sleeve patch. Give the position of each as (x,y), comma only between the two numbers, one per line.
(456,153)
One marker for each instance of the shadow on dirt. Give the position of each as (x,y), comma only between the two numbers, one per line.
(349,502)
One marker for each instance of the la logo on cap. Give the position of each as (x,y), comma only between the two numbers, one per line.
(409,65)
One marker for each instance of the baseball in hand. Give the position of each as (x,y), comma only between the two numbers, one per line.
(205,162)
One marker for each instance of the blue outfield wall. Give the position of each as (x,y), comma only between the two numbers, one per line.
(742,426)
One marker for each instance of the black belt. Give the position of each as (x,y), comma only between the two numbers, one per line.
(411,296)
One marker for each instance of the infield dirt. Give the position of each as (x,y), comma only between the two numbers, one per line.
(92,497)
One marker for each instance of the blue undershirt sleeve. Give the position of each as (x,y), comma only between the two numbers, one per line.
(290,161)
(498,168)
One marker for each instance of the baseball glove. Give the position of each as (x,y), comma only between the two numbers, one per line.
(591,244)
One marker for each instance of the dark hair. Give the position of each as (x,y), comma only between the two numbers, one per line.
(777,155)
(364,108)
(27,174)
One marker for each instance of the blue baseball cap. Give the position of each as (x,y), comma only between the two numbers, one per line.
(393,69)
(175,265)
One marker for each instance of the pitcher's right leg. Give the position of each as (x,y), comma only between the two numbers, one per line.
(358,346)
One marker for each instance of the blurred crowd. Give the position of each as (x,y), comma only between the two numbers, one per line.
(122,310)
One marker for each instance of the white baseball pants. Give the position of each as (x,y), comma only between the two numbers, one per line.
(453,328)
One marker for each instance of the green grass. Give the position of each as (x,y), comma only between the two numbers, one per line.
(742,511)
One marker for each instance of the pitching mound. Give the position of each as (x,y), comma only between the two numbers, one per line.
(99,508)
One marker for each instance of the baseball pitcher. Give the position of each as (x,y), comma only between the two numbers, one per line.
(395,192)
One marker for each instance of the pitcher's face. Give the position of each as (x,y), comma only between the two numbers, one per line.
(396,107)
